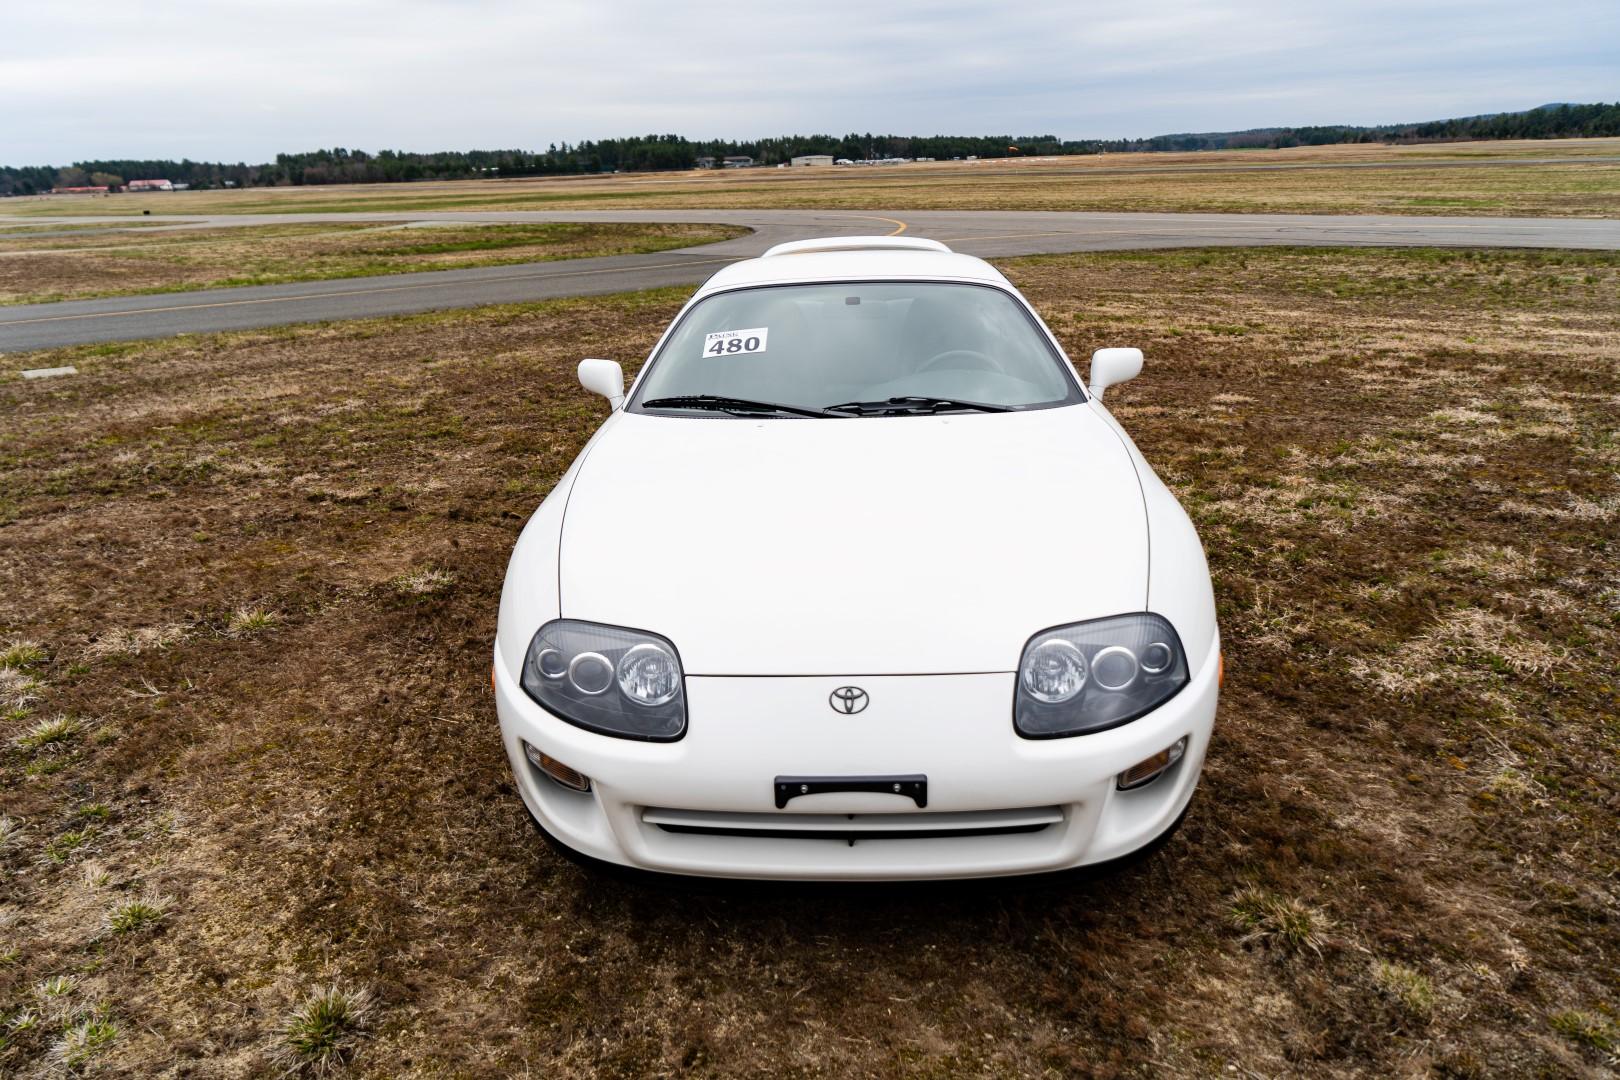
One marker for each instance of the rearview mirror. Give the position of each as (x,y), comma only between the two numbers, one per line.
(1110,366)
(606,377)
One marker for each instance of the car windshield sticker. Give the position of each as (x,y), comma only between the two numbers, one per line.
(733,342)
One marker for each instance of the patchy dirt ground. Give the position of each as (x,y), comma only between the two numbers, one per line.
(90,263)
(248,753)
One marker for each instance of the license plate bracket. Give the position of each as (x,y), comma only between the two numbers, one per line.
(913,786)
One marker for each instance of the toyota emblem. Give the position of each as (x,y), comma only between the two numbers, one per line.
(848,700)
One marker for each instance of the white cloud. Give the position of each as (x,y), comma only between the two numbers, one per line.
(216,80)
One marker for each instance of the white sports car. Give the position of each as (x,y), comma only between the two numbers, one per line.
(857,581)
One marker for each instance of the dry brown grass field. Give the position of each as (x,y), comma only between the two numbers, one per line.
(1286,181)
(248,754)
(93,262)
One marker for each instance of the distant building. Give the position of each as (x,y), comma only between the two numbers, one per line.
(812,159)
(737,161)
(705,162)
(149,185)
(102,190)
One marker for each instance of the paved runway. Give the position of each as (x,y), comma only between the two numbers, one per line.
(985,233)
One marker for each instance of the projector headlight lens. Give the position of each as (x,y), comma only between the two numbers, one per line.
(551,664)
(607,679)
(1095,675)
(1157,658)
(1116,667)
(590,673)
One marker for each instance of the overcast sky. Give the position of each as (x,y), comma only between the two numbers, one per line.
(243,80)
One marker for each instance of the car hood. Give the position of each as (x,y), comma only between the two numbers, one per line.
(887,545)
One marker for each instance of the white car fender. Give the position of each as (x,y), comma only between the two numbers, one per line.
(1179,585)
(529,597)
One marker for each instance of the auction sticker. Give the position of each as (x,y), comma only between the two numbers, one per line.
(734,342)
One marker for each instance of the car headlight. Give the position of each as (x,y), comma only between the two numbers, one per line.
(607,679)
(1095,675)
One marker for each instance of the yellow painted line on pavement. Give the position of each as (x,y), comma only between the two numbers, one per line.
(899,225)
(350,292)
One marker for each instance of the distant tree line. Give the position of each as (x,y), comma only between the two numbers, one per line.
(667,152)
(1546,122)
(29,180)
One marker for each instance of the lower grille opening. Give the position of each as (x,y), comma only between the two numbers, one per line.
(851,827)
(849,834)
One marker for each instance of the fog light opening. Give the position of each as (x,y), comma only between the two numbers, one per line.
(1145,772)
(572,779)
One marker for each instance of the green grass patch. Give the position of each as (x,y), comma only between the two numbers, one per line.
(132,916)
(322,1033)
(55,731)
(20,655)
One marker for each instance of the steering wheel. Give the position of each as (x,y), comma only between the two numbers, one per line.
(982,362)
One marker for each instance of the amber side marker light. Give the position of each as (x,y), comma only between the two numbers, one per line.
(1149,770)
(569,778)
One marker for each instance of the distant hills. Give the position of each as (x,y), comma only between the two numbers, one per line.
(665,152)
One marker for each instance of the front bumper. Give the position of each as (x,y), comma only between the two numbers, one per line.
(705,805)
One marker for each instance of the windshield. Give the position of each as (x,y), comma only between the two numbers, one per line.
(853,348)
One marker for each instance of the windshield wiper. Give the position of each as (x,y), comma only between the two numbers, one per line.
(722,403)
(914,404)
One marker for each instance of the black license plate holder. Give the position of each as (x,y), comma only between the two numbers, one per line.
(913,786)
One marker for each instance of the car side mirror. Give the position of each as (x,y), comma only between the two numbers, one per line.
(605,377)
(1110,366)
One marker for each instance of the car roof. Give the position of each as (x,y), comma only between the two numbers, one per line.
(855,258)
